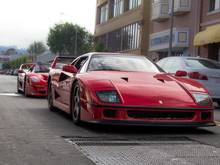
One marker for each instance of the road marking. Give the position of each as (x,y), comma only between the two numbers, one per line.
(9,94)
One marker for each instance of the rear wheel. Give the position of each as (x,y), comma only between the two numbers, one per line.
(75,105)
(50,98)
(25,88)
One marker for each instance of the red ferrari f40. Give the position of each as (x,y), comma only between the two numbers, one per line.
(114,88)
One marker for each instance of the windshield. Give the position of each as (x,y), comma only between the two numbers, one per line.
(26,67)
(41,68)
(122,63)
(201,64)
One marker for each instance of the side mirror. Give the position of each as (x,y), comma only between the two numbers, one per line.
(20,71)
(70,68)
(181,73)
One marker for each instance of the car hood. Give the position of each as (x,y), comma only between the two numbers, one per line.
(145,89)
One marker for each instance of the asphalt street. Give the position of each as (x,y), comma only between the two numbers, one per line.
(31,134)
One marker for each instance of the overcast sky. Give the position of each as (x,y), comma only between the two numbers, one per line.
(25,21)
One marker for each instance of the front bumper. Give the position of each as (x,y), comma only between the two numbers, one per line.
(152,116)
(38,90)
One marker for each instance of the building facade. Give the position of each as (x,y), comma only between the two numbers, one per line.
(208,39)
(143,27)
(123,25)
(185,25)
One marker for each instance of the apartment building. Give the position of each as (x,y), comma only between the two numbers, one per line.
(123,25)
(185,26)
(143,27)
(208,39)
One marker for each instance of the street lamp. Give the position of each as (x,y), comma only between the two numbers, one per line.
(76,35)
(171,28)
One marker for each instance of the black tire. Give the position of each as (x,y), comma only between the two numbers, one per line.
(18,90)
(75,105)
(25,90)
(218,104)
(50,98)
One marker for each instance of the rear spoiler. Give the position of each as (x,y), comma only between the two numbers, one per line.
(62,59)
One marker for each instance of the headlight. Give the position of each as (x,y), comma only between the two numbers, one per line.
(108,96)
(202,99)
(35,79)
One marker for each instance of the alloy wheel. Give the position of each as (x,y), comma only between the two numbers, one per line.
(76,107)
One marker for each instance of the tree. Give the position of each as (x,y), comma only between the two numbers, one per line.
(36,48)
(69,39)
(16,63)
(99,47)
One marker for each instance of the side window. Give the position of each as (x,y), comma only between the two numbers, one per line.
(79,63)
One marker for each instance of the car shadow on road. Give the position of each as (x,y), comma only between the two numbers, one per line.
(34,97)
(143,130)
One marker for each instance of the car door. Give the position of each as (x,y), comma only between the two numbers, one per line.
(66,79)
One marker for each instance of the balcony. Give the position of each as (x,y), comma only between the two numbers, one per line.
(160,9)
(182,6)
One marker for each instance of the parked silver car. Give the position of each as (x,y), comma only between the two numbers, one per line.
(205,71)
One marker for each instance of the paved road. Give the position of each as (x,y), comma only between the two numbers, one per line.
(31,134)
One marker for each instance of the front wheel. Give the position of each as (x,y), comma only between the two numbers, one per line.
(76,106)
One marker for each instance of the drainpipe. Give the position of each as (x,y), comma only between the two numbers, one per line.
(171,28)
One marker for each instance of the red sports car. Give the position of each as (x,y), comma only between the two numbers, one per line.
(113,88)
(33,81)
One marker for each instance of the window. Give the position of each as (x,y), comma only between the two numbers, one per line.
(80,62)
(41,68)
(131,36)
(117,7)
(134,3)
(184,3)
(103,40)
(104,13)
(126,38)
(214,5)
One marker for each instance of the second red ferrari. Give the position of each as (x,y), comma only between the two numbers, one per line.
(33,81)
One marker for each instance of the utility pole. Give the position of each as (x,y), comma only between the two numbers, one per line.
(171,28)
